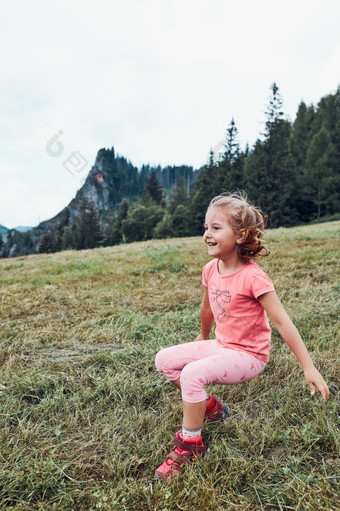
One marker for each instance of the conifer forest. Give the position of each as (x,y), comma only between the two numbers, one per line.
(292,173)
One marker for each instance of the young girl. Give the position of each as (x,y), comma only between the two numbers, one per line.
(237,297)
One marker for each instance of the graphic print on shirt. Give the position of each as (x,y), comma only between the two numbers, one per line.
(218,299)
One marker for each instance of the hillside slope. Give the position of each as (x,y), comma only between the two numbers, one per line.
(86,419)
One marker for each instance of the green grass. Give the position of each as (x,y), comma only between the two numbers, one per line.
(86,419)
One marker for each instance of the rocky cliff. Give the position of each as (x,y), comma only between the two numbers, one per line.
(111,180)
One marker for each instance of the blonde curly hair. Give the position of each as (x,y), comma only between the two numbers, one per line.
(246,221)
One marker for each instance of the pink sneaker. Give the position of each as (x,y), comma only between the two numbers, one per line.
(216,411)
(186,450)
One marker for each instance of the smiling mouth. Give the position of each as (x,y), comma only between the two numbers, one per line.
(211,244)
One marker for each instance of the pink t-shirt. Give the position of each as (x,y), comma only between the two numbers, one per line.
(241,321)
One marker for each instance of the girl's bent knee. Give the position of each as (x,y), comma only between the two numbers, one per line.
(159,361)
(192,385)
(163,360)
(167,364)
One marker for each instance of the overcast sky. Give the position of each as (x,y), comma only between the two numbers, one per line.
(159,80)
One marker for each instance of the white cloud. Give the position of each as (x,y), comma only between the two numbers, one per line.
(13,194)
(329,74)
(159,81)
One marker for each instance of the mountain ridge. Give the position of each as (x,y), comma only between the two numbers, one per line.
(111,179)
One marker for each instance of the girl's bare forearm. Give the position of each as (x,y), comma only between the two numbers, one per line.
(207,320)
(291,336)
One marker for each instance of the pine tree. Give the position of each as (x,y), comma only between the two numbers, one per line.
(274,111)
(116,236)
(318,173)
(181,221)
(328,117)
(270,177)
(232,143)
(232,166)
(63,222)
(47,243)
(87,232)
(153,190)
(301,134)
(300,138)
(234,179)
(211,161)
(69,237)
(178,195)
(256,175)
(206,187)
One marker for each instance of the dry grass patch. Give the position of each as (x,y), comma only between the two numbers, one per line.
(85,418)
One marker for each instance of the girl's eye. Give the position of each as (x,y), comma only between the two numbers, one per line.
(214,228)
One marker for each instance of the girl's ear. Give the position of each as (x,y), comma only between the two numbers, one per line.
(242,236)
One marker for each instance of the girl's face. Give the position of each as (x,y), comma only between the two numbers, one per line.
(218,235)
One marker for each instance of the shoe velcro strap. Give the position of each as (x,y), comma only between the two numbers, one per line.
(192,448)
(179,459)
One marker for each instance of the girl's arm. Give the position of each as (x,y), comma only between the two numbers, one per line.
(207,318)
(283,324)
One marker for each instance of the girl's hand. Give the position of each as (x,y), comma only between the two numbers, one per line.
(313,377)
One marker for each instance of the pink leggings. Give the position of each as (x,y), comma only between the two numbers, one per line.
(200,363)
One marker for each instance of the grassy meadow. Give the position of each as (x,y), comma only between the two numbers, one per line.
(86,419)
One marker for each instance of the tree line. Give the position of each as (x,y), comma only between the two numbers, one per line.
(292,173)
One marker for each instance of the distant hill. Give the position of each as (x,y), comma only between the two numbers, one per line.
(23,228)
(111,180)
(3,230)
(19,228)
